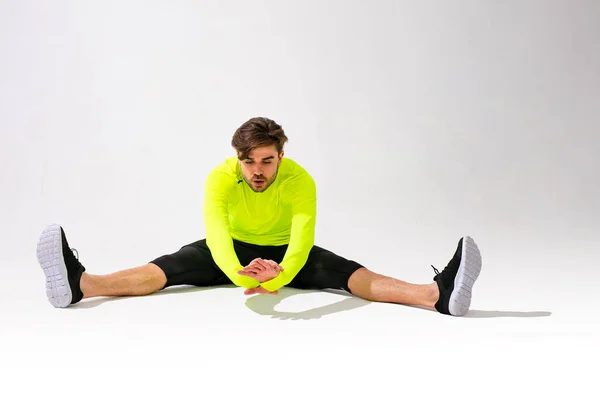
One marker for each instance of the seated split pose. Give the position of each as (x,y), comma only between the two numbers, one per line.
(260,213)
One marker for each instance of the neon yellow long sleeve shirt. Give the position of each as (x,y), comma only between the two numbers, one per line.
(285,213)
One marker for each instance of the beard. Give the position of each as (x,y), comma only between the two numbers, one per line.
(260,183)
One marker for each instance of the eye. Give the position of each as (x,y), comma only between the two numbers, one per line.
(248,162)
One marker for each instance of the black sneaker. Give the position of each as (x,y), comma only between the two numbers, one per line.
(62,269)
(456,281)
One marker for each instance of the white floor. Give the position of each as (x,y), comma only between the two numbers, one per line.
(420,121)
(525,336)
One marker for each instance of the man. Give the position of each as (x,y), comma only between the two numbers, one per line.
(260,215)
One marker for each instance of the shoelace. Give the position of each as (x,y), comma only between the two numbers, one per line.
(435,270)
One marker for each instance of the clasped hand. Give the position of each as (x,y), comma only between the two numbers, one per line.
(262,271)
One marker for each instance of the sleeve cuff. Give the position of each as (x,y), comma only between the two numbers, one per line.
(244,281)
(274,284)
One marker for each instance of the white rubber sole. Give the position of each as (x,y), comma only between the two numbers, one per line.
(50,257)
(468,272)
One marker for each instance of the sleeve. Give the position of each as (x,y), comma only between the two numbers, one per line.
(218,191)
(302,198)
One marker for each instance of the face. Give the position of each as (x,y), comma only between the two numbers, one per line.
(260,168)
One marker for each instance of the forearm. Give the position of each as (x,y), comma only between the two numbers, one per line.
(301,242)
(220,244)
(218,194)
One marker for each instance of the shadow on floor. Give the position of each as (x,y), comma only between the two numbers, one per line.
(496,314)
(506,314)
(265,304)
(91,303)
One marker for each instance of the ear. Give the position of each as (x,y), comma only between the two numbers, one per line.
(281,156)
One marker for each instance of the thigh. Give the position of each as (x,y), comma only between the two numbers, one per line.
(194,264)
(325,270)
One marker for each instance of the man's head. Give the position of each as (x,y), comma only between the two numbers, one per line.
(259,145)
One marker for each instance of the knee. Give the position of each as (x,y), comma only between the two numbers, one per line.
(359,278)
(157,277)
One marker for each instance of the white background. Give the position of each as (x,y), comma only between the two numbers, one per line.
(420,121)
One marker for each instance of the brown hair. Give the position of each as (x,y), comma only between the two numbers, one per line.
(258,132)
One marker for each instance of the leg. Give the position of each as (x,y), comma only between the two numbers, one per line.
(138,281)
(326,270)
(191,265)
(375,287)
(67,282)
(450,293)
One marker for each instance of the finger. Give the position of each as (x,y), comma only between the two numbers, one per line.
(263,263)
(254,270)
(262,290)
(268,265)
(252,264)
(275,265)
(249,291)
(255,266)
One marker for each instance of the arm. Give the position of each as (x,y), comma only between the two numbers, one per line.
(302,198)
(218,190)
